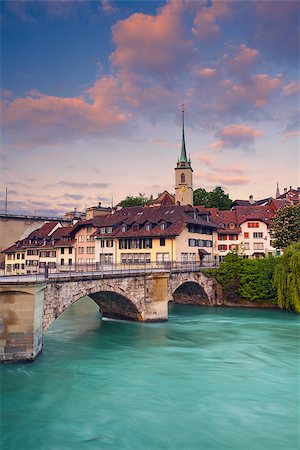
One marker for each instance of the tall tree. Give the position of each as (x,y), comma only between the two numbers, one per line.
(140,200)
(214,199)
(287,280)
(201,197)
(285,228)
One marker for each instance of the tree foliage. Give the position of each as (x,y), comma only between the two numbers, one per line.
(213,199)
(287,278)
(285,227)
(248,279)
(140,200)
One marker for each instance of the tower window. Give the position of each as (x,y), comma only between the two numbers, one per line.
(182,178)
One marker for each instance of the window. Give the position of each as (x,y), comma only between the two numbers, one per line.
(148,243)
(122,243)
(184,257)
(109,243)
(124,228)
(246,235)
(62,262)
(231,226)
(32,252)
(109,230)
(102,230)
(80,261)
(52,265)
(246,246)
(233,237)
(81,238)
(253,225)
(8,268)
(258,246)
(62,250)
(9,256)
(23,266)
(162,257)
(90,238)
(222,237)
(222,247)
(80,250)
(90,249)
(257,235)
(163,226)
(162,242)
(148,226)
(70,261)
(182,178)
(192,242)
(135,227)
(18,255)
(23,255)
(70,250)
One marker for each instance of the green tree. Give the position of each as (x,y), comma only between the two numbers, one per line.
(214,199)
(218,199)
(201,197)
(285,228)
(287,279)
(141,200)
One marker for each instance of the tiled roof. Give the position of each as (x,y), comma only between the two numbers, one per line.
(42,232)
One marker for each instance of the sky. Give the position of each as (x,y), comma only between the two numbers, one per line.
(91,95)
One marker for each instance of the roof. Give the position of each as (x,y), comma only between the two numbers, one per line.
(165,198)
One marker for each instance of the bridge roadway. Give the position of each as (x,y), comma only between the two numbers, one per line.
(31,303)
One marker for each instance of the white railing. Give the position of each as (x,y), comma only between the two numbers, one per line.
(105,270)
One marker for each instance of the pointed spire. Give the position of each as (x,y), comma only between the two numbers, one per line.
(277,191)
(183,161)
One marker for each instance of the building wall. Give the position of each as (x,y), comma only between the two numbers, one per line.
(167,250)
(184,197)
(13,228)
(82,242)
(182,246)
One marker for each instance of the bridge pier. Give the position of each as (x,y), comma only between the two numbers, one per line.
(21,321)
(156,297)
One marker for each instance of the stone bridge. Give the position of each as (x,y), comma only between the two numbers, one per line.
(29,309)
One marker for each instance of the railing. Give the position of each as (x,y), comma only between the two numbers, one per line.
(104,271)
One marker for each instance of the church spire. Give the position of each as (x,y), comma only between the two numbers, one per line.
(183,160)
(277,191)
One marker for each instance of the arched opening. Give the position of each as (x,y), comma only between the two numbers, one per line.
(182,178)
(190,293)
(116,306)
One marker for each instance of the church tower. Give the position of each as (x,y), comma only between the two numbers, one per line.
(183,175)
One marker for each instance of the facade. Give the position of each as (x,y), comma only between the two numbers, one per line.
(245,230)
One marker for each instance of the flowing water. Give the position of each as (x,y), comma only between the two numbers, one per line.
(209,378)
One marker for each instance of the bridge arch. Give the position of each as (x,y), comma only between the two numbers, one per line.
(112,297)
(192,288)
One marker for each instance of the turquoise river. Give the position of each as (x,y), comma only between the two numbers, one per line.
(209,378)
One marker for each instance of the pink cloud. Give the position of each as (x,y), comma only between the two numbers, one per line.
(235,136)
(205,24)
(206,72)
(146,43)
(291,88)
(203,158)
(244,61)
(107,7)
(227,180)
(42,118)
(292,134)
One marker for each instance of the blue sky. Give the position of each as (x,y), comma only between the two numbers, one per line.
(91,95)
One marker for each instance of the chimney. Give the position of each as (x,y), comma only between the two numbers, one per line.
(251,200)
(291,188)
(99,204)
(285,190)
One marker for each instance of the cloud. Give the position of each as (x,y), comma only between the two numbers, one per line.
(107,7)
(152,44)
(206,72)
(42,118)
(292,134)
(227,180)
(77,185)
(202,158)
(236,136)
(243,63)
(206,24)
(74,196)
(292,88)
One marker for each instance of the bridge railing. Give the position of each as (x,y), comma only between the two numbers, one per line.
(104,270)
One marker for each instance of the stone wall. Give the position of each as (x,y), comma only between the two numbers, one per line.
(21,322)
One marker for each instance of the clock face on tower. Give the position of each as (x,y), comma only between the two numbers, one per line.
(183,188)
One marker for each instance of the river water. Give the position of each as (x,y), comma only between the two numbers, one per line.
(209,378)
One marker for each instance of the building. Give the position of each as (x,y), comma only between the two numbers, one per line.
(183,175)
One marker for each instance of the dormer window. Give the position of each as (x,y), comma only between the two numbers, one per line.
(135,227)
(124,228)
(148,226)
(163,226)
(102,230)
(195,214)
(231,226)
